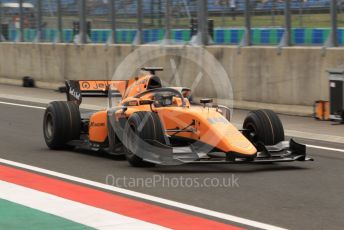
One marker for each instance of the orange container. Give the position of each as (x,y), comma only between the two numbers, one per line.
(322,110)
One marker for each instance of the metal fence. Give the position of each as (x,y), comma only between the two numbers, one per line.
(203,22)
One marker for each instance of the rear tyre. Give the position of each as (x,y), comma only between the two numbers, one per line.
(61,124)
(264,126)
(141,126)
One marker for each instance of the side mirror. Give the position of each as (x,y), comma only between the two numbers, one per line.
(206,101)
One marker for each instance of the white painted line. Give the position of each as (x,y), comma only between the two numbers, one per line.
(325,148)
(308,135)
(291,133)
(147,197)
(27,98)
(83,106)
(81,213)
(22,105)
(315,136)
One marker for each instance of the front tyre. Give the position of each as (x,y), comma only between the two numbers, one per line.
(61,124)
(264,126)
(142,126)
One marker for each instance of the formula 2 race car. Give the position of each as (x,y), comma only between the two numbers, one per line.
(151,124)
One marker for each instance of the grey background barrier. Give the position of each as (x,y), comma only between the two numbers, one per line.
(258,74)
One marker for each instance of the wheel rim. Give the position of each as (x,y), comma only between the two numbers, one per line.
(253,132)
(49,126)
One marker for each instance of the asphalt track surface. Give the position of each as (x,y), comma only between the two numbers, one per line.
(298,195)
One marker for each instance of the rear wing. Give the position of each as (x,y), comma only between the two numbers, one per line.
(76,89)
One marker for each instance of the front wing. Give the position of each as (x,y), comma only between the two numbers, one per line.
(285,151)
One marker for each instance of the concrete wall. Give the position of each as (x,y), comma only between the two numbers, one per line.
(293,76)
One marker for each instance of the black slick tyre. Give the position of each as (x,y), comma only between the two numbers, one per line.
(142,126)
(264,126)
(61,124)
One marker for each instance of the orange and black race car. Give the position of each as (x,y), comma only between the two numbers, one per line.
(151,124)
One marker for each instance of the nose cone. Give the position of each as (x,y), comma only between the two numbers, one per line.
(234,141)
(215,130)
